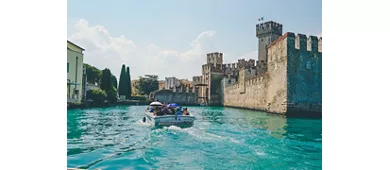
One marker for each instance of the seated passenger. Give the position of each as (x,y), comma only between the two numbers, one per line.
(172,111)
(165,110)
(158,112)
(155,112)
(185,112)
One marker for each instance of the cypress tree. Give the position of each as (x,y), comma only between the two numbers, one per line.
(106,83)
(122,81)
(128,83)
(114,81)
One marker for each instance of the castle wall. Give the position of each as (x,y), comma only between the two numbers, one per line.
(265,92)
(277,71)
(248,94)
(215,93)
(304,74)
(181,97)
(292,83)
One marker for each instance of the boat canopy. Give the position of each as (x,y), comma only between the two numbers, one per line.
(155,104)
(173,105)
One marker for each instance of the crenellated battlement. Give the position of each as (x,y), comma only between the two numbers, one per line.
(207,68)
(246,64)
(241,63)
(214,58)
(301,42)
(217,68)
(184,89)
(269,27)
(248,82)
(312,43)
(179,94)
(196,79)
(320,45)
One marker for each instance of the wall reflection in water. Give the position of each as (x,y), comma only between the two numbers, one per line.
(278,126)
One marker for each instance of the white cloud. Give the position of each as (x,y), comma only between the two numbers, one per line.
(102,50)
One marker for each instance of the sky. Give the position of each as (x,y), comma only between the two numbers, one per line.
(171,37)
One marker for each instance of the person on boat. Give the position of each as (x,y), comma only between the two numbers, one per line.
(179,111)
(152,109)
(157,112)
(185,112)
(172,110)
(165,110)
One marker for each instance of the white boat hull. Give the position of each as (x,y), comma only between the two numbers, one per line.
(169,120)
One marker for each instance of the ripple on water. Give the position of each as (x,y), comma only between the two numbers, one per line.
(116,138)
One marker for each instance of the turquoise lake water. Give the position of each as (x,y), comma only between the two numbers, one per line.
(221,138)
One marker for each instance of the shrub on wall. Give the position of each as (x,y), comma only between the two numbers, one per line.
(98,95)
(112,95)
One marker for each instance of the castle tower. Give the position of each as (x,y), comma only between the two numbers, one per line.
(267,33)
(215,58)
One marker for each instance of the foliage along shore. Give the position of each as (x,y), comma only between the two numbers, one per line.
(105,104)
(119,103)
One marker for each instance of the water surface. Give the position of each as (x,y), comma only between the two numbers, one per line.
(221,138)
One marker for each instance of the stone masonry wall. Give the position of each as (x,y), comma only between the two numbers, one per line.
(304,72)
(292,84)
(182,98)
(277,69)
(266,92)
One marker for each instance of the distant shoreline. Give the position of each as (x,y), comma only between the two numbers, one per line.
(71,106)
(119,103)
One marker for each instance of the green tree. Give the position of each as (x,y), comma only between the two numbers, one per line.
(97,95)
(106,83)
(147,84)
(128,83)
(93,74)
(114,81)
(112,95)
(122,81)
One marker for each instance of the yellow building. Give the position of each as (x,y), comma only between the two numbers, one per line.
(75,72)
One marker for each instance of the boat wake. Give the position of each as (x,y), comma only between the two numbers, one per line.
(198,133)
(141,123)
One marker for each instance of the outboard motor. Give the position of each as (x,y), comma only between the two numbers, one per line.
(144,119)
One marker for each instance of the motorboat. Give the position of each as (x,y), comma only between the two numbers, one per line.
(168,120)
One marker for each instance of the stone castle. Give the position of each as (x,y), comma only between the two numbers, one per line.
(181,94)
(286,79)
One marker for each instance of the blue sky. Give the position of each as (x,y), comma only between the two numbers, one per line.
(172,37)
